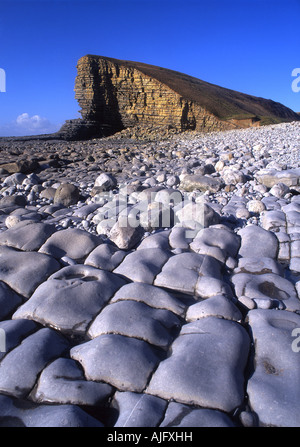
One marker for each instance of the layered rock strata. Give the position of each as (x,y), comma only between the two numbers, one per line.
(115,94)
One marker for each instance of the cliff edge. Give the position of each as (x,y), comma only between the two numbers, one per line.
(115,94)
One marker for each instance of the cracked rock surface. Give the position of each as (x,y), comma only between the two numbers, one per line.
(147,302)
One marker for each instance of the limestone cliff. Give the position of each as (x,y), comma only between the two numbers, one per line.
(115,94)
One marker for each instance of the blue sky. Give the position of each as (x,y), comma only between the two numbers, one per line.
(250,46)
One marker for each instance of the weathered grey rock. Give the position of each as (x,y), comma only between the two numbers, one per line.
(66,195)
(125,237)
(256,206)
(22,165)
(63,382)
(268,286)
(15,331)
(216,242)
(157,216)
(273,220)
(169,196)
(257,242)
(9,300)
(194,182)
(181,272)
(72,242)
(22,214)
(71,298)
(293,219)
(20,367)
(179,238)
(105,182)
(270,177)
(216,306)
(125,363)
(279,190)
(179,415)
(233,176)
(295,264)
(138,410)
(26,235)
(17,200)
(197,212)
(105,257)
(24,271)
(133,319)
(143,265)
(48,193)
(148,195)
(214,353)
(14,179)
(18,413)
(156,240)
(276,377)
(85,210)
(236,206)
(208,286)
(150,295)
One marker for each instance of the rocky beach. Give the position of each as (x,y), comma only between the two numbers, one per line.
(151,279)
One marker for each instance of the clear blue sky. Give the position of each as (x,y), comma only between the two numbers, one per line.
(247,45)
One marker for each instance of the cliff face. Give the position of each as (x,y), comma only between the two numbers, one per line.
(121,96)
(115,94)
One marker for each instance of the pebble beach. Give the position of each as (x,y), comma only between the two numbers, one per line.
(151,281)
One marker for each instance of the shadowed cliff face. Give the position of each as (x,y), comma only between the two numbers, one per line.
(115,94)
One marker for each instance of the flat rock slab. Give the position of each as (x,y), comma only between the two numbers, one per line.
(63,382)
(192,182)
(179,415)
(271,220)
(214,353)
(217,242)
(138,410)
(74,243)
(270,177)
(216,306)
(105,257)
(123,362)
(24,271)
(20,367)
(273,386)
(133,319)
(27,236)
(143,265)
(182,271)
(150,295)
(71,298)
(267,287)
(257,242)
(17,413)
